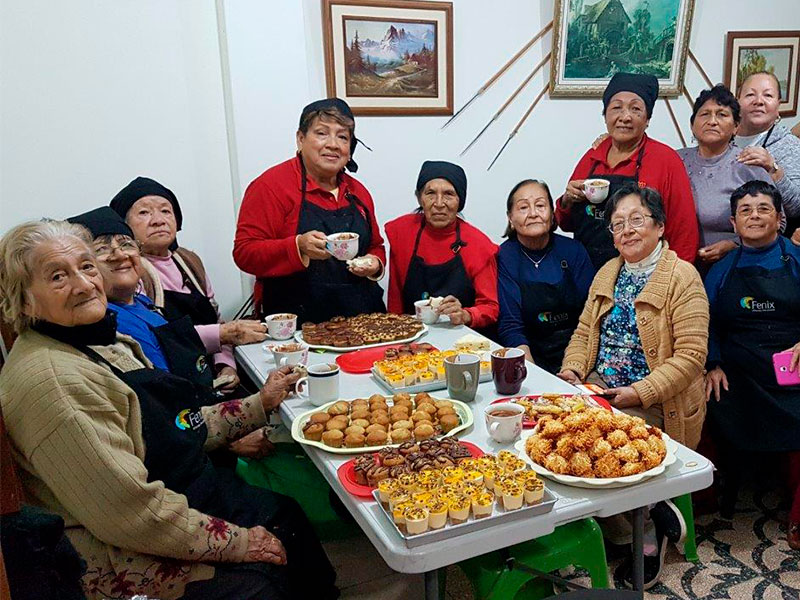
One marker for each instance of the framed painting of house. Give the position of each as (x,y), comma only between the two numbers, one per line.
(593,39)
(776,52)
(389,57)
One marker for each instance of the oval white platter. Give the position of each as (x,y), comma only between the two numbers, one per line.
(298,335)
(462,410)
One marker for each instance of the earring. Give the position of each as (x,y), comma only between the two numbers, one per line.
(778,120)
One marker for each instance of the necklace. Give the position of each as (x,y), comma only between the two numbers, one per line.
(536,263)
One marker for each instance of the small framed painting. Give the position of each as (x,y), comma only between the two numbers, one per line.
(775,52)
(387,57)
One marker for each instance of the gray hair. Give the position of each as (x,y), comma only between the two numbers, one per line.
(649,197)
(16,264)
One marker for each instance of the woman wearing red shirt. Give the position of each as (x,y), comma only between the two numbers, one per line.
(288,211)
(435,252)
(628,155)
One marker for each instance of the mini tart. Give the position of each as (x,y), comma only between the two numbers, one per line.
(437,510)
(398,496)
(500,482)
(399,513)
(408,481)
(416,518)
(487,461)
(489,476)
(512,496)
(426,377)
(395,380)
(421,498)
(533,491)
(474,476)
(409,377)
(515,465)
(468,464)
(455,472)
(386,487)
(427,478)
(458,508)
(504,456)
(483,504)
(470,488)
(522,476)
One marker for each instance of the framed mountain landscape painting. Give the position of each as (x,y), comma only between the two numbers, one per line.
(390,57)
(593,39)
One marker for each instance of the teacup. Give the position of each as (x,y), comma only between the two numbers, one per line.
(508,370)
(425,312)
(596,190)
(342,246)
(462,373)
(504,421)
(293,353)
(281,326)
(321,383)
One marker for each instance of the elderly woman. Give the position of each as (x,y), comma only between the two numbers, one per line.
(643,333)
(754,294)
(174,277)
(288,211)
(715,171)
(627,155)
(118,449)
(434,252)
(543,278)
(768,144)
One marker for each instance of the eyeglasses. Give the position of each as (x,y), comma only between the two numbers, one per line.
(127,247)
(635,221)
(762,209)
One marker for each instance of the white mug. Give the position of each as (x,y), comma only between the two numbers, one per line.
(425,312)
(293,353)
(281,326)
(596,190)
(504,428)
(322,382)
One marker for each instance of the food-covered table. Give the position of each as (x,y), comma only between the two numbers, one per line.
(689,473)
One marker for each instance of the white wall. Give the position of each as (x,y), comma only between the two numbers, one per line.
(95,92)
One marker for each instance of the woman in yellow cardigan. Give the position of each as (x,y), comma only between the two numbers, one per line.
(643,334)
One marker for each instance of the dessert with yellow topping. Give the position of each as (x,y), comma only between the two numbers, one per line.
(408,481)
(416,518)
(533,491)
(458,508)
(489,476)
(474,476)
(437,509)
(482,504)
(512,496)
(386,487)
(398,497)
(399,513)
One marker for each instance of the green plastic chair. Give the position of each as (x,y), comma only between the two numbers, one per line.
(689,550)
(579,543)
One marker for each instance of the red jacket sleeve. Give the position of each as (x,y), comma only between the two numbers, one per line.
(376,247)
(397,271)
(564,215)
(681,229)
(262,246)
(487,308)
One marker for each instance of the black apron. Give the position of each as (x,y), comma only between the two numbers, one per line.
(326,288)
(184,351)
(195,303)
(550,313)
(588,220)
(446,279)
(757,315)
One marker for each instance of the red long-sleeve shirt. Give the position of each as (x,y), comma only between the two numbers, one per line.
(479,256)
(265,244)
(663,170)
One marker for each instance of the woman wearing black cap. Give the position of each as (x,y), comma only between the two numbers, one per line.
(288,211)
(628,155)
(434,252)
(174,278)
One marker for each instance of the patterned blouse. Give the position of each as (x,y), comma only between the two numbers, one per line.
(620,358)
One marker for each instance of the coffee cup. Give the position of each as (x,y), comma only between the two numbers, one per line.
(293,353)
(508,370)
(596,190)
(343,245)
(424,311)
(281,326)
(462,373)
(322,383)
(504,421)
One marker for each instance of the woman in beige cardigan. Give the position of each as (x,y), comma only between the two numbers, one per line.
(75,394)
(643,334)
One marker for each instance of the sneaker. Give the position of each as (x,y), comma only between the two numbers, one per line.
(652,565)
(670,521)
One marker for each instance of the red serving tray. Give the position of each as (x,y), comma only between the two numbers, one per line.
(347,473)
(528,424)
(360,362)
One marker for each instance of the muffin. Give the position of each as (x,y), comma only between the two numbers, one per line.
(313,431)
(404,397)
(445,410)
(421,415)
(449,422)
(360,413)
(375,427)
(336,424)
(428,407)
(408,448)
(339,408)
(320,417)
(333,438)
(375,398)
(402,425)
(439,404)
(400,435)
(380,418)
(377,438)
(354,440)
(355,430)
(377,474)
(423,431)
(398,416)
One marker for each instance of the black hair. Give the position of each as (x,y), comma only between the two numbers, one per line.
(510,232)
(754,188)
(749,75)
(649,197)
(722,96)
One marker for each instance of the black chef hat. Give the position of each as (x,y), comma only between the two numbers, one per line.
(439,169)
(644,86)
(138,189)
(102,221)
(341,106)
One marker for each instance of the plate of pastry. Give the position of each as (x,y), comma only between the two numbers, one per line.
(536,405)
(369,424)
(422,372)
(360,362)
(596,448)
(345,334)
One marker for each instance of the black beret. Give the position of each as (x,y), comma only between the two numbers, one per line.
(138,189)
(644,86)
(439,169)
(341,106)
(102,221)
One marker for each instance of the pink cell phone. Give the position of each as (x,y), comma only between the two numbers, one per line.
(781,362)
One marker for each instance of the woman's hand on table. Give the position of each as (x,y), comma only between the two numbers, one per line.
(277,387)
(230,372)
(573,193)
(716,379)
(451,306)
(254,445)
(624,397)
(262,546)
(569,376)
(244,331)
(367,270)
(312,245)
(716,251)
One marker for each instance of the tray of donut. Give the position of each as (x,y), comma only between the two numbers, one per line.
(370,424)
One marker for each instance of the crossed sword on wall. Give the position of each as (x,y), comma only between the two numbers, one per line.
(493,79)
